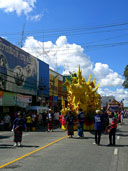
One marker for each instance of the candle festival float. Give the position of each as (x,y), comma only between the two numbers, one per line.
(81,94)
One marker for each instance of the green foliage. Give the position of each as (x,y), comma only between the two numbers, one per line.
(125,83)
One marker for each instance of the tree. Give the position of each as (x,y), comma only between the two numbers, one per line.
(125,83)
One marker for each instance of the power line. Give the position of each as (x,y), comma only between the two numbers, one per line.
(77,29)
(88,46)
(89,33)
(110,38)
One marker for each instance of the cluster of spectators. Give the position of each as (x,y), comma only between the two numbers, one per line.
(5,123)
(101,124)
(32,119)
(28,121)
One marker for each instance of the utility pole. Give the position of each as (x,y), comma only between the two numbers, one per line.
(22,36)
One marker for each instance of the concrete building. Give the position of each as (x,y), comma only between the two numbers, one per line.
(21,75)
(105,100)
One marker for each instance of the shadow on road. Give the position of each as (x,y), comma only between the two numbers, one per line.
(117,145)
(11,146)
(83,137)
(123,135)
(4,137)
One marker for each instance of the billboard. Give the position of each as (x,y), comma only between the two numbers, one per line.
(18,69)
(14,99)
(43,83)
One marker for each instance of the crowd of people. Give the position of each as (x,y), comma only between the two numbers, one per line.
(31,120)
(102,124)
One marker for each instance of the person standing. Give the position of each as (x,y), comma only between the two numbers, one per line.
(105,120)
(115,115)
(56,119)
(81,119)
(7,120)
(98,126)
(122,116)
(119,117)
(50,119)
(44,114)
(70,124)
(112,132)
(29,121)
(33,116)
(18,127)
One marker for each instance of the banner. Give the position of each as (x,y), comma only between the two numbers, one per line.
(9,99)
(24,99)
(18,69)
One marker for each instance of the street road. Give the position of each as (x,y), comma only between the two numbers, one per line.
(54,151)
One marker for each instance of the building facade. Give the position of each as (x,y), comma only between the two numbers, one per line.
(105,100)
(43,84)
(55,89)
(20,78)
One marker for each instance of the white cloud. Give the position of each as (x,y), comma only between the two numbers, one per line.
(61,41)
(106,76)
(61,53)
(35,17)
(19,6)
(68,57)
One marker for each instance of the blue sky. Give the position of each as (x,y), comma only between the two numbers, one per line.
(72,32)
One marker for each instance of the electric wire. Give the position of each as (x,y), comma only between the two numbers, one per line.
(71,29)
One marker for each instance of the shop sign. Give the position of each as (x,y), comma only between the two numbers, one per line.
(24,99)
(9,99)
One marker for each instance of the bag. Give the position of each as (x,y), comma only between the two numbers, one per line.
(108,129)
(19,128)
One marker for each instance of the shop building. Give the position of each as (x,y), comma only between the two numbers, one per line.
(20,78)
(43,84)
(55,89)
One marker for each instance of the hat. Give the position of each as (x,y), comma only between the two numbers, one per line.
(99,112)
(18,113)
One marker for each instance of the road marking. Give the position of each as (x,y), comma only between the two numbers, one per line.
(28,154)
(115,151)
(118,137)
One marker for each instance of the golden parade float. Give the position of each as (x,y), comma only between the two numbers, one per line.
(81,94)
